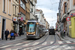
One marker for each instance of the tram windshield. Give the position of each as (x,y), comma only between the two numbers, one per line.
(31,27)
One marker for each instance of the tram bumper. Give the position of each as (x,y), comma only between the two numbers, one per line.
(31,36)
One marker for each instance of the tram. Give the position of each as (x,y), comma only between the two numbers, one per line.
(34,29)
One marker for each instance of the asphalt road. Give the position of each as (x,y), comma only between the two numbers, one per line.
(47,42)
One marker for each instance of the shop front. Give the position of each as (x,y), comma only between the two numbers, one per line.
(15,25)
(21,27)
(71,23)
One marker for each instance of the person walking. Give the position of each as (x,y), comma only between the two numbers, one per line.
(64,32)
(6,34)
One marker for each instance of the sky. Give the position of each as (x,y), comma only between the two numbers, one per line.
(50,10)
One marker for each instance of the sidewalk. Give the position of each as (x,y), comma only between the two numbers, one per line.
(3,42)
(69,38)
(66,38)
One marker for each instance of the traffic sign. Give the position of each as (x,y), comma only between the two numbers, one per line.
(68,19)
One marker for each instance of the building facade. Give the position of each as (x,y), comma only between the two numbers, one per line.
(15,15)
(28,10)
(32,9)
(6,15)
(57,23)
(67,16)
(40,17)
(47,25)
(22,15)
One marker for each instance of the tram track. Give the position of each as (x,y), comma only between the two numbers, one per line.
(35,45)
(48,45)
(24,41)
(12,46)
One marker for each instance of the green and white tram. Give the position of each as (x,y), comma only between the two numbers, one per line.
(34,29)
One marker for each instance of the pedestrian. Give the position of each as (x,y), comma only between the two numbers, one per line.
(12,34)
(6,34)
(64,32)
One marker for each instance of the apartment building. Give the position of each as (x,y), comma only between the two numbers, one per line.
(47,25)
(57,23)
(68,16)
(15,15)
(32,9)
(22,15)
(40,17)
(6,15)
(28,10)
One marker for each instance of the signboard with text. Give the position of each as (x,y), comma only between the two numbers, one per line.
(14,18)
(68,19)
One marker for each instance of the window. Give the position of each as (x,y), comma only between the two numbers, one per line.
(31,10)
(65,7)
(26,0)
(3,5)
(22,15)
(73,2)
(22,4)
(17,1)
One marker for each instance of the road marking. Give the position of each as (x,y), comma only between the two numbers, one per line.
(68,41)
(36,43)
(68,47)
(26,49)
(18,44)
(26,44)
(63,46)
(44,43)
(60,42)
(34,48)
(51,42)
(58,49)
(5,46)
(8,49)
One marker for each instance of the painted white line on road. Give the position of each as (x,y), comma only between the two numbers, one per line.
(26,44)
(60,42)
(68,47)
(26,49)
(34,48)
(44,43)
(68,42)
(63,46)
(51,42)
(18,44)
(53,47)
(36,43)
(5,46)
(8,49)
(58,49)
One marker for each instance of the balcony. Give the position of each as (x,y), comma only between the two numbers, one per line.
(63,19)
